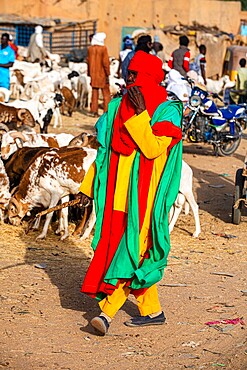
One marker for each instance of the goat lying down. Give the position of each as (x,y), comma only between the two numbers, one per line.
(185,198)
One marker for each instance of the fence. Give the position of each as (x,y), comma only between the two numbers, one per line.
(59,41)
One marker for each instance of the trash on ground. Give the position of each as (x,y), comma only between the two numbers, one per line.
(224,329)
(222,274)
(174,285)
(224,174)
(238,320)
(40,265)
(224,235)
(191,344)
(218,364)
(217,186)
(213,352)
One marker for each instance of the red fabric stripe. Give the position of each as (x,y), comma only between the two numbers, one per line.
(145,174)
(114,224)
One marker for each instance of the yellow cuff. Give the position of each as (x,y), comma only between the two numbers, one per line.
(87,184)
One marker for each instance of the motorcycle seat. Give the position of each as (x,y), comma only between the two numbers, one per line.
(231,111)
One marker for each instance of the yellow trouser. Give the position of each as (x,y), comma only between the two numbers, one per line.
(147,303)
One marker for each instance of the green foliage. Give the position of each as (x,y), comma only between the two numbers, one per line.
(244,4)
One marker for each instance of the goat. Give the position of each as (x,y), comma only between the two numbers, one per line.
(217,87)
(39,107)
(84,92)
(14,118)
(4,94)
(69,101)
(185,197)
(4,190)
(13,139)
(51,177)
(17,164)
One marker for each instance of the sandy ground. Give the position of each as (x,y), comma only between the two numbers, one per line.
(44,321)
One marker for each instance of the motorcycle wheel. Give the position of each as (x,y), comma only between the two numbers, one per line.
(231,146)
(239,184)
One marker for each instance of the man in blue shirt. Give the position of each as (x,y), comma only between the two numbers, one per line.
(7,58)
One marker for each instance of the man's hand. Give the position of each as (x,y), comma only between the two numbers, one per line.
(84,200)
(137,99)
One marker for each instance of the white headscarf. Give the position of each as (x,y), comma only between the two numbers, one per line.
(38,29)
(39,37)
(98,39)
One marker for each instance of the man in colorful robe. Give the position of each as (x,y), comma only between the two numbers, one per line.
(134,182)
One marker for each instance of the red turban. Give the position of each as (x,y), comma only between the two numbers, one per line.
(148,66)
(149,76)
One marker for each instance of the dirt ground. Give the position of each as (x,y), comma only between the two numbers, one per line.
(44,321)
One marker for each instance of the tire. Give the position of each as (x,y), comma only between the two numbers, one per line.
(239,185)
(230,147)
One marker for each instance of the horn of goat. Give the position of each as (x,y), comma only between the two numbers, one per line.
(84,137)
(21,114)
(4,128)
(18,135)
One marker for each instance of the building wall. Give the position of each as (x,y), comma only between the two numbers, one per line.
(112,15)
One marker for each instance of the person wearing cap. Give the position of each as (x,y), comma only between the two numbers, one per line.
(36,51)
(13,46)
(180,58)
(99,71)
(7,58)
(128,47)
(134,182)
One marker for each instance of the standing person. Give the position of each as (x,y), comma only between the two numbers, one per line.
(199,64)
(7,58)
(179,60)
(239,94)
(13,46)
(144,43)
(99,71)
(158,51)
(36,51)
(134,182)
(128,48)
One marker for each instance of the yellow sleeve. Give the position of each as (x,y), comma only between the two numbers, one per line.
(86,186)
(141,132)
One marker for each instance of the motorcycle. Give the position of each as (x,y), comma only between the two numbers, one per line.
(204,122)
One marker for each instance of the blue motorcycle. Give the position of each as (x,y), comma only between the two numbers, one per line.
(204,122)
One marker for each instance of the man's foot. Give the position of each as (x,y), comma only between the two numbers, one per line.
(100,324)
(146,320)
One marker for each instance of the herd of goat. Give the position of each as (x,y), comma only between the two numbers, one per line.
(40,170)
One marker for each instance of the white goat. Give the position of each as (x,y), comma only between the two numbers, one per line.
(185,198)
(217,86)
(4,190)
(4,94)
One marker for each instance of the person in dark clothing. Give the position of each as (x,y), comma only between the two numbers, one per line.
(144,43)
(180,58)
